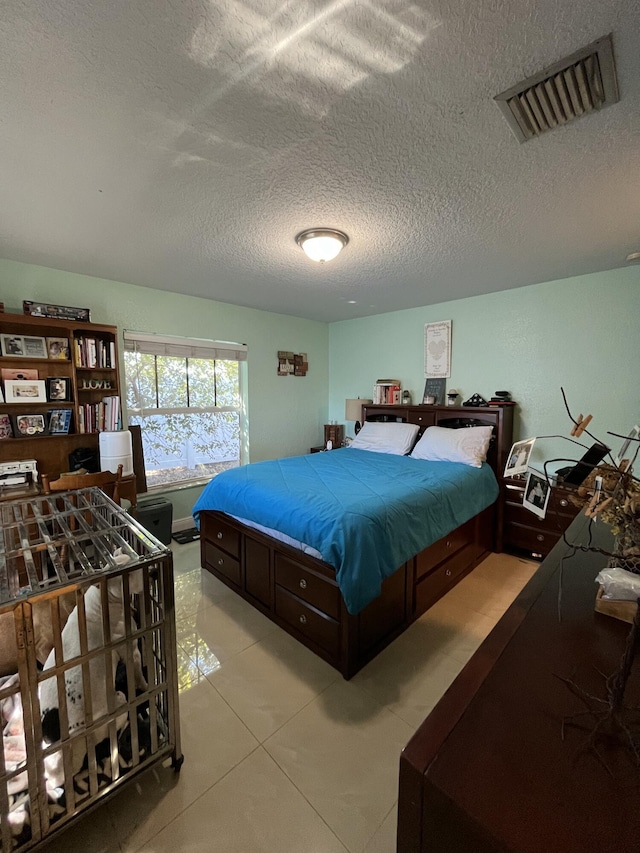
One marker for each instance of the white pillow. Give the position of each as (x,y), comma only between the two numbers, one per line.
(468,445)
(393,437)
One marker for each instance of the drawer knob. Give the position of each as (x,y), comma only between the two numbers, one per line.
(564,502)
(303,584)
(448,543)
(448,573)
(540,537)
(221,562)
(303,619)
(219,535)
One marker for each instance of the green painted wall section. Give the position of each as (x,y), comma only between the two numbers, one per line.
(580,333)
(285,413)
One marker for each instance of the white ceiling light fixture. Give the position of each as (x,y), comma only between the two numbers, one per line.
(322,244)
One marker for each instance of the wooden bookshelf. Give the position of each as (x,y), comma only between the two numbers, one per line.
(88,381)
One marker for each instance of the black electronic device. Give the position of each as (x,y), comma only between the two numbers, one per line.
(575,475)
(84,457)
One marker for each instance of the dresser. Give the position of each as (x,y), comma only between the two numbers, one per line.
(488,771)
(523,531)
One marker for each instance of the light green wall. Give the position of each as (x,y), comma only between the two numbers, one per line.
(580,333)
(285,413)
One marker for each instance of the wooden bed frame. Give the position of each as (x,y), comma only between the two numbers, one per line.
(299,592)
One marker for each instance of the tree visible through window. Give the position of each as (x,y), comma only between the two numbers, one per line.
(186,396)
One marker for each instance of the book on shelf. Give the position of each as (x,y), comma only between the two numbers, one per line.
(104,416)
(94,352)
(387,392)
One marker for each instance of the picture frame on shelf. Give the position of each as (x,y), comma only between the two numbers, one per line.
(12,346)
(20,373)
(58,348)
(59,421)
(29,425)
(537,490)
(58,389)
(34,347)
(434,392)
(6,427)
(25,391)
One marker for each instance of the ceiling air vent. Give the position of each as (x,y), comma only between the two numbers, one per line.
(581,83)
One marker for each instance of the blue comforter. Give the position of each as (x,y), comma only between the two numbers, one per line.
(366,513)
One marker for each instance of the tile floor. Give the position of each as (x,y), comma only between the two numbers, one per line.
(281,754)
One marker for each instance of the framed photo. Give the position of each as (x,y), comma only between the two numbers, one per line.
(34,347)
(57,312)
(58,348)
(6,430)
(59,421)
(434,392)
(437,350)
(25,391)
(518,458)
(21,373)
(12,345)
(536,494)
(27,426)
(58,388)
(627,451)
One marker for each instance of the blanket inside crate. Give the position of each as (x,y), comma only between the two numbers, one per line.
(15,757)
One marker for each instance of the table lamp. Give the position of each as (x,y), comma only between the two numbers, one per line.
(353,411)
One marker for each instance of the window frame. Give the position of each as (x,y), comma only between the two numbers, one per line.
(186,348)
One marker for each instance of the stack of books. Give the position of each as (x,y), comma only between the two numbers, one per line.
(387,392)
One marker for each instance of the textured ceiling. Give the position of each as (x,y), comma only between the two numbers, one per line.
(182,145)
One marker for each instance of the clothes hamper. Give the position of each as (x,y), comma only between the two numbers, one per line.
(156,514)
(86,592)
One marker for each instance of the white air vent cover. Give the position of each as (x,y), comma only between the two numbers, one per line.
(573,87)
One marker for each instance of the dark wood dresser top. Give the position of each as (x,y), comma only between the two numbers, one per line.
(488,770)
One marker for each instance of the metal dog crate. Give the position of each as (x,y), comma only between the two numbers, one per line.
(82,578)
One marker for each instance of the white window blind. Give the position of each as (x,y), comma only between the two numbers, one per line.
(183,347)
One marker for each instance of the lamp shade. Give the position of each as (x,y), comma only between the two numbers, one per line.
(322,244)
(353,409)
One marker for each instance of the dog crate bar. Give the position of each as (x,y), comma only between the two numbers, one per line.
(110,678)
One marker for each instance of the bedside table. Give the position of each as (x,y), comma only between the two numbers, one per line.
(320,449)
(524,531)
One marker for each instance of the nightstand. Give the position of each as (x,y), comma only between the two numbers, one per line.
(524,531)
(320,449)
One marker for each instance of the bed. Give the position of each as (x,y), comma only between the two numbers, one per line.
(345,549)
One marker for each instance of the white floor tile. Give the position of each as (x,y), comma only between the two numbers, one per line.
(214,741)
(284,677)
(342,752)
(254,809)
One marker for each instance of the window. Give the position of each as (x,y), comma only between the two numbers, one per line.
(186,394)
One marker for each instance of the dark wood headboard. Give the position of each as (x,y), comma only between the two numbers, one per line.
(455,417)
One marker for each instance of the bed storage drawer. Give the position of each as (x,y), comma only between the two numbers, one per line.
(222,563)
(318,627)
(308,586)
(433,585)
(538,540)
(444,548)
(225,537)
